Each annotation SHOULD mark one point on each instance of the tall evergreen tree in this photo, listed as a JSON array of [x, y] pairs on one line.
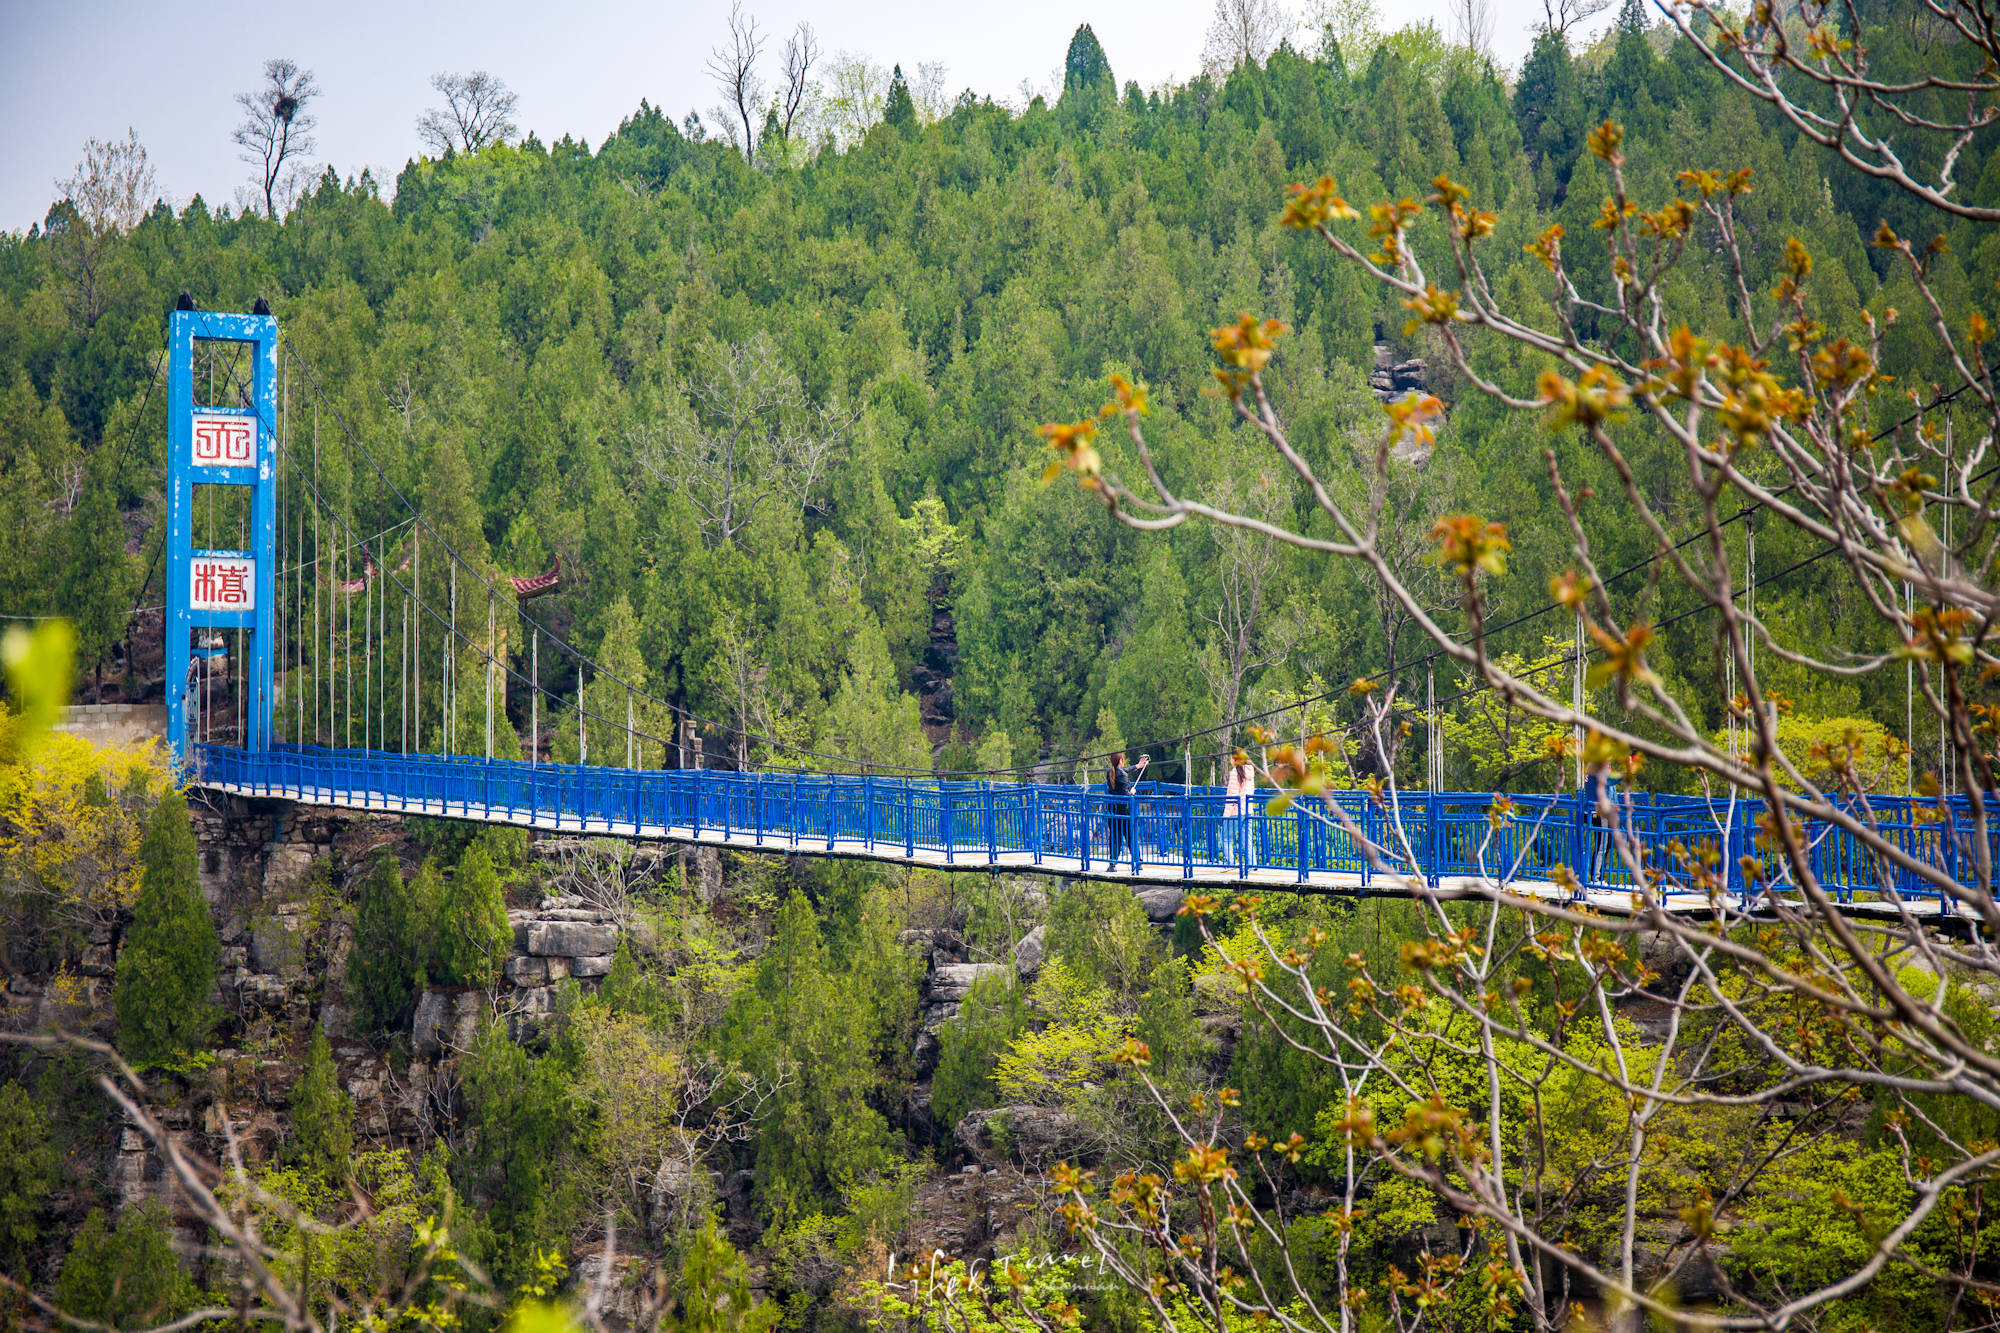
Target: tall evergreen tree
[[900, 111], [386, 971], [167, 968], [519, 1112], [28, 1166], [818, 1134], [124, 1275], [322, 1116], [1628, 76], [1548, 106], [1088, 85], [471, 935], [715, 1292], [96, 576]]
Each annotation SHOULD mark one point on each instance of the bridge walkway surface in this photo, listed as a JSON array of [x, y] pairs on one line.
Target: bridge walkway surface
[[1463, 843]]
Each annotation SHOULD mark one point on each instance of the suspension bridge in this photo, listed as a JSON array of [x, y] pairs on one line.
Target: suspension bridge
[[312, 604]]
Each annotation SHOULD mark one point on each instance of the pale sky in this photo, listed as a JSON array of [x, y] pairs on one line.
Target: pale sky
[[76, 69]]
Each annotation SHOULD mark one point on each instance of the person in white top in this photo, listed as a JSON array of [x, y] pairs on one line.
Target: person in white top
[[1237, 790]]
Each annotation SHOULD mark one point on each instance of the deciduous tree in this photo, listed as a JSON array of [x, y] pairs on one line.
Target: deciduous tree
[[103, 199], [743, 434], [478, 110], [733, 67], [276, 132], [1242, 32], [1766, 410]]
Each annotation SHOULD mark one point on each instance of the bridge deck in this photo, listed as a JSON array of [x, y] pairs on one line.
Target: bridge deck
[[1184, 838]]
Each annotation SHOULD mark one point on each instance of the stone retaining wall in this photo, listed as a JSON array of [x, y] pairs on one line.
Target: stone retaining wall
[[115, 724]]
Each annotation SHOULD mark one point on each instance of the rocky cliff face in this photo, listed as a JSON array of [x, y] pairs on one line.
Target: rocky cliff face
[[280, 882]]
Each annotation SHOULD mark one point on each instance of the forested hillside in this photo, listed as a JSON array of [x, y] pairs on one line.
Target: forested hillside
[[778, 417], [542, 341]]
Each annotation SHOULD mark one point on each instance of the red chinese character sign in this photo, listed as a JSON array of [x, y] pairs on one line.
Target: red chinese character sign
[[224, 441], [222, 583]]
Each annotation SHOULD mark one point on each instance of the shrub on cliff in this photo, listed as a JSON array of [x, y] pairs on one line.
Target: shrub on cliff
[[386, 972], [993, 1014], [322, 1116], [126, 1275], [28, 1166], [166, 970], [470, 935]]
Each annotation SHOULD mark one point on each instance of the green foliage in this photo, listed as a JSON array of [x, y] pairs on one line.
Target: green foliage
[[28, 1172], [1088, 85], [563, 314], [938, 545], [714, 1294], [470, 936], [332, 1254], [629, 988], [934, 291], [385, 973], [322, 1137], [1085, 65], [821, 1035], [1284, 1088], [899, 112], [636, 1090], [97, 575], [1820, 1213], [124, 1275], [1491, 746], [991, 1016], [1056, 1064], [73, 816], [868, 718], [167, 967], [40, 666], [1166, 1020], [1100, 931], [518, 1166]]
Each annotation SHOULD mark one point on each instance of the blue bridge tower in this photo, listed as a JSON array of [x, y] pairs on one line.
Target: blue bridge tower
[[208, 588]]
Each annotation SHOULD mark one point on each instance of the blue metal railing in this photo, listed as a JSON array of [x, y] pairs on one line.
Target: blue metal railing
[[1175, 832]]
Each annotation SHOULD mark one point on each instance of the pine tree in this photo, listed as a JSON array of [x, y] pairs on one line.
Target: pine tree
[[1628, 76], [612, 696], [471, 934], [322, 1116], [899, 112], [94, 591], [1088, 84], [386, 971], [1166, 1018], [28, 1166], [167, 968], [1548, 106], [125, 1276], [715, 1289], [1086, 66]]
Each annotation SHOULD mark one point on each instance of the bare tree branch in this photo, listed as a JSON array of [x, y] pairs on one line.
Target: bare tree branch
[[478, 110], [277, 126], [733, 66], [802, 52]]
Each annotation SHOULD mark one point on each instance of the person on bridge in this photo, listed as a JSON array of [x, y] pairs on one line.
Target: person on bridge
[[1599, 803], [1237, 790], [1118, 785]]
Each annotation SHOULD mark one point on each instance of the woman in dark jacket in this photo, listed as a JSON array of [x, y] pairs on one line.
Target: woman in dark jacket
[[1118, 783]]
